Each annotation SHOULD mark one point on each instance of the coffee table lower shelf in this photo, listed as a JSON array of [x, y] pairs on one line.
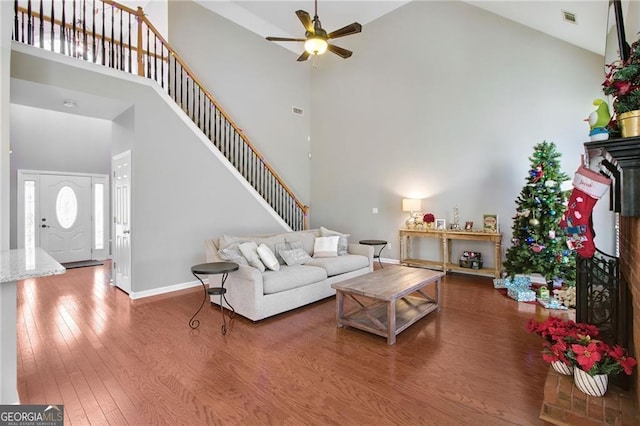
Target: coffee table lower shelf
[[374, 317]]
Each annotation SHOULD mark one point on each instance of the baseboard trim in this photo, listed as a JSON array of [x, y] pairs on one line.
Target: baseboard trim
[[392, 261], [164, 290]]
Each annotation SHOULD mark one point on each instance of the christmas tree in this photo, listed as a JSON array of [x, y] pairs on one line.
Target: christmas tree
[[539, 243]]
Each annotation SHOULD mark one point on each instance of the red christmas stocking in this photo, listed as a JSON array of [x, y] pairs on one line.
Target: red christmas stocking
[[588, 188]]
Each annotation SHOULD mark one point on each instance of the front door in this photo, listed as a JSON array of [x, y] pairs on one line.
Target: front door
[[65, 227], [122, 220]]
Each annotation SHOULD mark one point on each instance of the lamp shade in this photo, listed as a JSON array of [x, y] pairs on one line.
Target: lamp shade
[[411, 205]]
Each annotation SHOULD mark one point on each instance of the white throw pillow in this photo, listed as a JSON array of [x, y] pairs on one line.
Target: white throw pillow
[[250, 251], [343, 244], [326, 246], [268, 258]]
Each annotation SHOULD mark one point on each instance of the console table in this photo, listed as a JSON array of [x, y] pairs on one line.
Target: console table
[[445, 237]]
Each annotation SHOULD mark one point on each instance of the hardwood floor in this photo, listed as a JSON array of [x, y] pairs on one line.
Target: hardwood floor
[[111, 360]]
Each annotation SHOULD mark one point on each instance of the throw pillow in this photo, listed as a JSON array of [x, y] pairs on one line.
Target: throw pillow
[[232, 254], [326, 247], [290, 245], [343, 244], [268, 258], [250, 251], [295, 256]]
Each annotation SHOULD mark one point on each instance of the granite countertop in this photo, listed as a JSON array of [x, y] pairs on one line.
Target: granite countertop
[[20, 264]]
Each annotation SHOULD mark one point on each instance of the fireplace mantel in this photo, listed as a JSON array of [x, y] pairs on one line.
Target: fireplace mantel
[[623, 158]]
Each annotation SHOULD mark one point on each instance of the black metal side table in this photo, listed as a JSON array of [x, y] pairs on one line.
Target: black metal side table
[[213, 268], [376, 243]]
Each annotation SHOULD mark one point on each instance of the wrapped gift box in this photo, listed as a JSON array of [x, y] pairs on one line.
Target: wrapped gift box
[[521, 294], [515, 282]]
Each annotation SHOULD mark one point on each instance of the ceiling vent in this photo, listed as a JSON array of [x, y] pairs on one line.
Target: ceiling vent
[[297, 111], [569, 17]]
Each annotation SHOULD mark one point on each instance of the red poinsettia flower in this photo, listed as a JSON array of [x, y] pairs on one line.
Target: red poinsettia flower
[[587, 355], [555, 352], [428, 218], [626, 362]]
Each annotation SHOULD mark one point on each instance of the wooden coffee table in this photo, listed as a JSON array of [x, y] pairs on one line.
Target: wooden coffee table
[[388, 300]]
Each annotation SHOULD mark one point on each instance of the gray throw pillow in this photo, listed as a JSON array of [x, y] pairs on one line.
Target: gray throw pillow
[[232, 254], [293, 254], [250, 251], [294, 244]]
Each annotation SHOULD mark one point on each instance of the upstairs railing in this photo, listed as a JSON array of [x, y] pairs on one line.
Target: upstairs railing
[[110, 34]]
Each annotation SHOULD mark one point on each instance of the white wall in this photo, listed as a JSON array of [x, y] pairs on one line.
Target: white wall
[[256, 81], [6, 19], [443, 101], [55, 141], [182, 194]]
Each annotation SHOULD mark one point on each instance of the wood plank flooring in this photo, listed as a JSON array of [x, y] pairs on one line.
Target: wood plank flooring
[[111, 360]]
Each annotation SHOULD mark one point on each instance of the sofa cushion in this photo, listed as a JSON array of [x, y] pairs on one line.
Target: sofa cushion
[[341, 264], [308, 239], [270, 241], [326, 247], [250, 251], [343, 244], [289, 277], [268, 258]]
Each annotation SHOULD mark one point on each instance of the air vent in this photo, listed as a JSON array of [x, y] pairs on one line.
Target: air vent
[[297, 111], [569, 17]]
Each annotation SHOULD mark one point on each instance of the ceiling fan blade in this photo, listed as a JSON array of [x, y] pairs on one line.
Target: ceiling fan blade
[[284, 39], [303, 57], [343, 53], [305, 19], [345, 31]]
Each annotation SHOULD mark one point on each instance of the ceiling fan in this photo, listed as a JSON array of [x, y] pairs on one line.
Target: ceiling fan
[[316, 38]]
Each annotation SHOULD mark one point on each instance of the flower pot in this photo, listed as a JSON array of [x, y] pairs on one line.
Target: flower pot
[[591, 385], [629, 123], [562, 368]]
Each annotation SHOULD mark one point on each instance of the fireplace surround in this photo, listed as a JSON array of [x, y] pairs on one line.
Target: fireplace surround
[[621, 157]]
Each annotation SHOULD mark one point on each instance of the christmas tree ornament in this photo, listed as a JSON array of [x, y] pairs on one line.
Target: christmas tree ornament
[[537, 248], [534, 222], [529, 240], [552, 233], [588, 188]]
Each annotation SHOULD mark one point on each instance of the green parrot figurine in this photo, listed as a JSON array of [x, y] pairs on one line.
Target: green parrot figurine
[[598, 121]]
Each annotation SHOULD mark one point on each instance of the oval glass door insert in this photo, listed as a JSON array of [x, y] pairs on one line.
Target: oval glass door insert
[[66, 207]]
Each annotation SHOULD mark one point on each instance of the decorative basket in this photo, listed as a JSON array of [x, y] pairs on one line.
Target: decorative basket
[[471, 259]]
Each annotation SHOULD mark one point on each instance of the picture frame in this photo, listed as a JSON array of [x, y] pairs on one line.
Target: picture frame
[[468, 225], [441, 224], [490, 223]]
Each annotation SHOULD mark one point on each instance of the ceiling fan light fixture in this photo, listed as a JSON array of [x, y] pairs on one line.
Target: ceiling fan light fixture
[[315, 45]]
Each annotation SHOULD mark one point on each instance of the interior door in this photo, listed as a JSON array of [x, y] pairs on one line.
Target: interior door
[[122, 221], [65, 214]]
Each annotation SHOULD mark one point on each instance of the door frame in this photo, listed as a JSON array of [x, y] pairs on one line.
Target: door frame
[[34, 175]]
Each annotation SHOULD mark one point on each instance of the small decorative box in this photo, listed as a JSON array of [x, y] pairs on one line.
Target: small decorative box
[[471, 259]]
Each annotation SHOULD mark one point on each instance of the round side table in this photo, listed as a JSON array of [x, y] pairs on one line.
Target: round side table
[[213, 268], [376, 243]]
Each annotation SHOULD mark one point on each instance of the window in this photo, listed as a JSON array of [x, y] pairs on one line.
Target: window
[[66, 207], [98, 215], [29, 214]]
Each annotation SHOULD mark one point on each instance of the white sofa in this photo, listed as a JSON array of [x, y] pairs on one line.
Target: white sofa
[[257, 295]]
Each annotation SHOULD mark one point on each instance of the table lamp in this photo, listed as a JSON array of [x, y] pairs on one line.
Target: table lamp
[[411, 205]]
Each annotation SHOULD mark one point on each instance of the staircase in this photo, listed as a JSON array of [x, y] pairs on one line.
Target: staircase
[[115, 36]]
